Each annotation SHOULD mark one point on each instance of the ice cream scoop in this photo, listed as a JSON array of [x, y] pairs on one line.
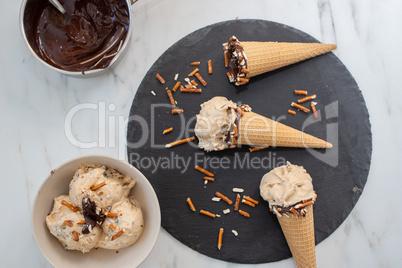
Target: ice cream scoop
[[125, 229], [101, 185], [67, 225], [223, 124]]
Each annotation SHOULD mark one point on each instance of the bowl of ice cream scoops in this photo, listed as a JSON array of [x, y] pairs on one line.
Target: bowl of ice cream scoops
[[90, 42], [97, 211]]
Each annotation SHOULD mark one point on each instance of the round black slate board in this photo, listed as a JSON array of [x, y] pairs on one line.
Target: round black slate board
[[339, 174]]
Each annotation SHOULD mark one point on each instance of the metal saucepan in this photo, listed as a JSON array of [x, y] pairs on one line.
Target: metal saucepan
[[27, 26]]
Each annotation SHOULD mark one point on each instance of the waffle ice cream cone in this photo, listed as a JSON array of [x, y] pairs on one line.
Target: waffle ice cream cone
[[249, 59], [263, 57], [255, 129], [299, 234]]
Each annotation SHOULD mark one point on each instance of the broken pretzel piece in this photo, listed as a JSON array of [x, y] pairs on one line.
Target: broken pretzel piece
[[65, 203], [237, 203], [179, 142], [199, 77], [190, 204], [300, 92], [314, 110], [172, 101], [68, 223], [245, 214], [209, 178], [168, 130], [160, 78], [250, 199], [176, 86], [302, 108], [224, 198], [76, 236], [210, 67], [220, 236], [202, 170], [190, 90], [207, 213], [193, 72], [97, 186], [254, 149], [312, 97], [248, 203], [177, 111], [118, 234]]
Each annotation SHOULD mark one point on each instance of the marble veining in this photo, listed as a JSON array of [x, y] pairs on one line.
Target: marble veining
[[35, 102]]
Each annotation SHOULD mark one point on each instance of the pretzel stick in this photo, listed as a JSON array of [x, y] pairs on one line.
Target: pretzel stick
[[171, 98], [68, 223], [193, 82], [199, 77], [168, 130], [248, 203], [97, 186], [76, 236], [177, 111], [248, 198], [302, 108], [119, 233], [111, 226], [314, 110], [291, 112], [202, 170], [224, 198], [237, 203], [229, 76], [160, 78], [193, 72], [195, 63], [300, 92], [254, 149], [190, 90], [207, 213], [243, 80], [220, 236], [110, 214], [179, 142], [81, 222], [176, 86], [210, 67], [245, 214], [209, 178], [304, 204], [312, 97], [235, 131], [225, 54], [190, 204], [245, 70], [65, 203], [239, 83], [293, 210]]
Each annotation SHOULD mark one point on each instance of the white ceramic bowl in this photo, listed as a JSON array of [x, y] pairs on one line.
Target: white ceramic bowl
[[57, 184]]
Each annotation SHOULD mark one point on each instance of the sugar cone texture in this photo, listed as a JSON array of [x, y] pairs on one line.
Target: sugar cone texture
[[255, 129], [299, 234], [263, 57]]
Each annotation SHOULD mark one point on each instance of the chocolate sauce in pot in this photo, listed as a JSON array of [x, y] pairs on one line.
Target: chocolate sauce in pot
[[88, 42]]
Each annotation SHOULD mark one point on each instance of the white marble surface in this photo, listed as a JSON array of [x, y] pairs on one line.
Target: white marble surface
[[34, 102]]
